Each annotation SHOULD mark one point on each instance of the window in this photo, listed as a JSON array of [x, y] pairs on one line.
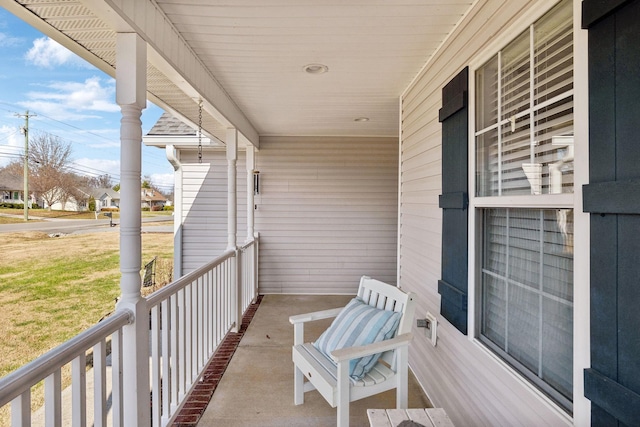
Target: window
[[524, 112], [527, 294], [524, 148]]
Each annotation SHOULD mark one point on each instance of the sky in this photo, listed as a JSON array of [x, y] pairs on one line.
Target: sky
[[71, 99]]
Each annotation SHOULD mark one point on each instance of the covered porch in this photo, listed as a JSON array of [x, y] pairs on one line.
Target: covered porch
[[257, 385], [340, 139]]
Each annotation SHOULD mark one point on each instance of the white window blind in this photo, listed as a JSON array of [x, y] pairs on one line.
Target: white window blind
[[525, 112], [527, 294]]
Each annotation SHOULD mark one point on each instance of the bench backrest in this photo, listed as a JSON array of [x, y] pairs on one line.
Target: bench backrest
[[384, 296]]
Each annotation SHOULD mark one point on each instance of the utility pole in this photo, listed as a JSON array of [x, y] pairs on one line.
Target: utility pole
[[25, 131]]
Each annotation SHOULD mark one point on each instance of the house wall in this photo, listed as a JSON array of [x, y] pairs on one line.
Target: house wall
[[459, 374], [326, 213], [204, 206]]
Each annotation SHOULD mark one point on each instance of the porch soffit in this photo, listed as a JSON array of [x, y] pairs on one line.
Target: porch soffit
[[253, 53]]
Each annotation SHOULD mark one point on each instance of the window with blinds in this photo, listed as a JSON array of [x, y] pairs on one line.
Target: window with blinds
[[527, 294], [524, 112], [524, 148]]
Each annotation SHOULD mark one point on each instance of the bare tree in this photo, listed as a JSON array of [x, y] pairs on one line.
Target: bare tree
[[73, 187], [101, 181], [48, 158]]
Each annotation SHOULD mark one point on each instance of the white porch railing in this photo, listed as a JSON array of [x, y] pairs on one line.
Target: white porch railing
[[188, 319]]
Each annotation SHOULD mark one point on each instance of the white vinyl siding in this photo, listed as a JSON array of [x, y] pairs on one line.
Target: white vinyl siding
[[326, 213], [458, 374], [204, 206]]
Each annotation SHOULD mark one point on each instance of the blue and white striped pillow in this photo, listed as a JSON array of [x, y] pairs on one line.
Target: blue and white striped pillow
[[358, 324]]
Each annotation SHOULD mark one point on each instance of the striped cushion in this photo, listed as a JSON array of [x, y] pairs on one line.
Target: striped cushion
[[358, 324]]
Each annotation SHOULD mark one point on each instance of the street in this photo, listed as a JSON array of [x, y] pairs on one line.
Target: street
[[74, 226]]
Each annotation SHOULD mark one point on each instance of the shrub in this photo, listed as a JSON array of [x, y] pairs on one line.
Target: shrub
[[168, 208]]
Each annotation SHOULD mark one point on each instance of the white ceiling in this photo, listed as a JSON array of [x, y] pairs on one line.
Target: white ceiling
[[256, 50]]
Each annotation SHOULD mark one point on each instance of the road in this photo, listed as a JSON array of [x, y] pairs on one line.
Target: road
[[75, 226]]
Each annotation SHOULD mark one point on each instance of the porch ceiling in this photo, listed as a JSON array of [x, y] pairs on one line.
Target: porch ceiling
[[256, 50]]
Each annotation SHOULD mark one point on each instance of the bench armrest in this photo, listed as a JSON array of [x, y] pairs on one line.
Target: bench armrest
[[316, 315], [369, 349]]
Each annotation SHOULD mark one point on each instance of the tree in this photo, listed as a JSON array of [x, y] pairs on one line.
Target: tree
[[73, 187], [101, 181], [49, 157]]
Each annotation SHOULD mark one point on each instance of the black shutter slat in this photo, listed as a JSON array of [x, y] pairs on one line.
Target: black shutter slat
[[595, 10], [454, 201], [621, 197], [612, 397]]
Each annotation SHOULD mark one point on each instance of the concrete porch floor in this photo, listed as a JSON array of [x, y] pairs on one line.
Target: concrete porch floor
[[257, 386]]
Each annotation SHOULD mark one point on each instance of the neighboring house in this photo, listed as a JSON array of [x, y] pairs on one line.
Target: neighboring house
[[105, 198], [481, 154], [152, 199], [12, 190], [69, 203]]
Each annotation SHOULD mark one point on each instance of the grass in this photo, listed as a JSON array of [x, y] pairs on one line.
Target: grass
[[53, 288]]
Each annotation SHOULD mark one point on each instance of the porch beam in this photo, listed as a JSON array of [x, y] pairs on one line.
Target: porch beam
[[173, 56], [131, 60]]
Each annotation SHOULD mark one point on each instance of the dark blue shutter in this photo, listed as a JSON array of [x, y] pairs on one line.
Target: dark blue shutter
[[454, 116], [612, 197]]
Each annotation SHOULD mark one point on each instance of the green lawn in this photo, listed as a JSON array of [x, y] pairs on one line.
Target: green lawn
[[53, 288]]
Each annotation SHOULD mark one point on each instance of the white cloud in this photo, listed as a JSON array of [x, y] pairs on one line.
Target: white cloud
[[74, 100], [163, 180], [47, 53], [9, 41]]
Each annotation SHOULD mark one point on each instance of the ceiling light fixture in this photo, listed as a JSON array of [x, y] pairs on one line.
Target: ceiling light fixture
[[361, 119], [315, 68]]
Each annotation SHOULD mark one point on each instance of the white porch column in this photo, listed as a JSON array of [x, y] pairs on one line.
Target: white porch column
[[232, 226], [131, 61], [232, 209], [251, 166]]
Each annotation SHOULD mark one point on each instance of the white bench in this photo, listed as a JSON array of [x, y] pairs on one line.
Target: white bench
[[429, 417], [331, 376]]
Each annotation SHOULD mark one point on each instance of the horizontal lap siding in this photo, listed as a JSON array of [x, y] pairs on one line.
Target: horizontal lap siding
[[326, 213], [204, 207], [457, 374]]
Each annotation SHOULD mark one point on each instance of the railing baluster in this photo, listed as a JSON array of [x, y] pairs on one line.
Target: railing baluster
[[79, 391], [219, 310], [188, 337], [165, 315], [100, 384], [182, 330], [21, 410], [174, 352], [116, 379], [156, 374], [53, 399], [194, 331], [201, 322], [210, 314]]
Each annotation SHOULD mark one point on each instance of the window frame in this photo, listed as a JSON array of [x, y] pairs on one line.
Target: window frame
[[479, 203]]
